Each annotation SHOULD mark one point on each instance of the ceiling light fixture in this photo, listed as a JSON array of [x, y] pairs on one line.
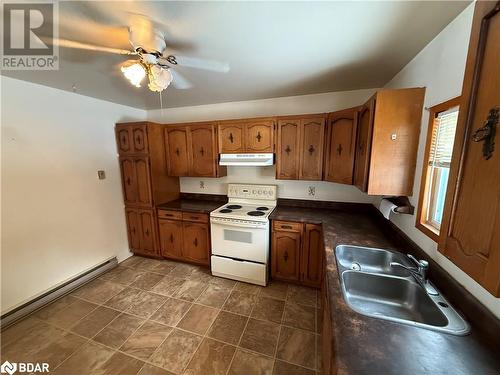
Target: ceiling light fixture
[[134, 72], [159, 78]]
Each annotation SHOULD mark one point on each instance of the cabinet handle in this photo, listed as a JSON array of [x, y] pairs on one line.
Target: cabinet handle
[[202, 151], [147, 232], [339, 149], [133, 230], [288, 149], [128, 180], [231, 137], [194, 217], [171, 238], [285, 256], [487, 133], [169, 214], [311, 149], [286, 227], [177, 151], [195, 242], [138, 139], [124, 139], [258, 137]]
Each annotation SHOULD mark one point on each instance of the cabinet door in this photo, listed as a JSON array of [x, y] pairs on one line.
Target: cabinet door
[[285, 255], [133, 229], [341, 146], [170, 232], [364, 140], [123, 139], [140, 138], [287, 150], [177, 151], [203, 155], [311, 258], [143, 182], [470, 230], [312, 140], [231, 138], [260, 136], [148, 238], [195, 246], [129, 180]]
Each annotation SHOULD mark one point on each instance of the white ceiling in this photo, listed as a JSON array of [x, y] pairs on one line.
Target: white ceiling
[[274, 49]]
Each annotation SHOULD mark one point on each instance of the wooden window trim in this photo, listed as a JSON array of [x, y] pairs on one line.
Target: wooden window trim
[[429, 230]]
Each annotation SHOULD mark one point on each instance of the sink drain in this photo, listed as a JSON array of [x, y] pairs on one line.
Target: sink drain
[[355, 267]]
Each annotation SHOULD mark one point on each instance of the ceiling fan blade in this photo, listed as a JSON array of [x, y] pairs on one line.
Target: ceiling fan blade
[[192, 62], [179, 81], [91, 47]]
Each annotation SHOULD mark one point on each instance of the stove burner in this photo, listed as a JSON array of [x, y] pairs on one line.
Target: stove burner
[[225, 211], [233, 206], [262, 208], [256, 213]]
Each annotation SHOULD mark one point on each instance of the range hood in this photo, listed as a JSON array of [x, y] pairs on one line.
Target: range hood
[[249, 160]]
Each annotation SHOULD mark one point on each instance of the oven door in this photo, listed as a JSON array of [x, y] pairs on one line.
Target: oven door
[[238, 240]]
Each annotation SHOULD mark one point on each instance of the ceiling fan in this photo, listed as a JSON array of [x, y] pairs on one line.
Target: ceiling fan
[[151, 60]]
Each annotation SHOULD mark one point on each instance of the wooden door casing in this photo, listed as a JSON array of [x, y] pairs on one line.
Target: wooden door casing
[[176, 149], [171, 238], [311, 258], [312, 138], [231, 138], [285, 258], [196, 242], [363, 148], [259, 136], [470, 229], [287, 150], [341, 146], [202, 151]]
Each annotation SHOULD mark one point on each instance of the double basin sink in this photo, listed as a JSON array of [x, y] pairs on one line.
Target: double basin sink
[[372, 287]]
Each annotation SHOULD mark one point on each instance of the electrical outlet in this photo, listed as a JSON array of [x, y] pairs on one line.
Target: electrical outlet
[[101, 175], [311, 191], [202, 184]]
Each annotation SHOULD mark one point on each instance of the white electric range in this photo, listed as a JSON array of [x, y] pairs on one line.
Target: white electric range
[[240, 233]]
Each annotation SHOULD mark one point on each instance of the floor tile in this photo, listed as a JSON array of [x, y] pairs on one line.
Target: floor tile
[[94, 322], [225, 283], [214, 296], [145, 304], [248, 288], [228, 327], [148, 369], [268, 309], [300, 316], [182, 270], [302, 295], [146, 340], [72, 314], [98, 291], [123, 275], [118, 331], [123, 300], [176, 351], [201, 274], [250, 364], [120, 364], [87, 360], [171, 312], [148, 264], [198, 319], [260, 336], [147, 280], [168, 286], [275, 289], [164, 267], [283, 368], [190, 290], [212, 357], [240, 303], [131, 262], [297, 346], [55, 307], [319, 352]]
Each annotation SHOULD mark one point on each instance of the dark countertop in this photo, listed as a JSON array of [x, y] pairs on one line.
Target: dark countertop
[[189, 204], [364, 345]]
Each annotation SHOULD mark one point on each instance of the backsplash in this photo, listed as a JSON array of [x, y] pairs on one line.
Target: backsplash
[[312, 190]]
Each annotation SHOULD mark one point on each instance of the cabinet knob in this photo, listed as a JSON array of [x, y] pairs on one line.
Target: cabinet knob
[[138, 139], [133, 230], [286, 227], [171, 238], [128, 180], [202, 151], [288, 149], [258, 137], [146, 232], [195, 242], [285, 256], [178, 152], [231, 137], [339, 149], [311, 149]]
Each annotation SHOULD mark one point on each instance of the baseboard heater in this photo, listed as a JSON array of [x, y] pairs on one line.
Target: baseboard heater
[[50, 296]]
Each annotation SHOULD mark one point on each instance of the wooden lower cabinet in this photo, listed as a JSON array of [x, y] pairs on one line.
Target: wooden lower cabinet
[[141, 225], [297, 253], [185, 239]]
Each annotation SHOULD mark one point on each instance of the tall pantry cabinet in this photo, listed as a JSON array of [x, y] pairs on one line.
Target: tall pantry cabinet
[[145, 182]]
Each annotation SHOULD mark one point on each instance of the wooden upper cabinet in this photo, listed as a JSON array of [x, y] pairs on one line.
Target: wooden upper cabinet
[[202, 151], [285, 259], [470, 229], [311, 262], [387, 142], [124, 139], [129, 180], [140, 138], [136, 180], [287, 149], [231, 138], [311, 143], [196, 245], [341, 146], [176, 148], [260, 136], [132, 138]]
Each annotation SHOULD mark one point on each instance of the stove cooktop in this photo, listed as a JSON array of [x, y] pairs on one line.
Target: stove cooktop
[[243, 211]]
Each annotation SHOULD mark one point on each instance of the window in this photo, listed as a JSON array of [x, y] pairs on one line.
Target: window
[[439, 148]]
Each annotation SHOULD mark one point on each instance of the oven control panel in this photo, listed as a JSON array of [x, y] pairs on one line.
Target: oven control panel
[[266, 192]]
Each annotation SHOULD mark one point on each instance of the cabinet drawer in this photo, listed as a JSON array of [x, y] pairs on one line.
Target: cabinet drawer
[[168, 214], [287, 226], [190, 216]]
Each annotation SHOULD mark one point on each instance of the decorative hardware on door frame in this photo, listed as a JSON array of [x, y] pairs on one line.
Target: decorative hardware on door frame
[[288, 149], [311, 149], [259, 137], [487, 133], [231, 139]]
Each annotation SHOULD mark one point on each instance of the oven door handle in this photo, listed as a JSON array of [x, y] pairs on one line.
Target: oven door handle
[[238, 225]]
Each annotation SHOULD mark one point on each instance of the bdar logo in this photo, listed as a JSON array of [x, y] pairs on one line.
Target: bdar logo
[[8, 368]]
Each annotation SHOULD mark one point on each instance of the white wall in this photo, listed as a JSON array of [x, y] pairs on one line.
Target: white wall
[[440, 67], [58, 219], [316, 103]]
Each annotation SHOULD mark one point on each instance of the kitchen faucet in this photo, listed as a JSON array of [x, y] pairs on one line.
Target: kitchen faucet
[[419, 273]]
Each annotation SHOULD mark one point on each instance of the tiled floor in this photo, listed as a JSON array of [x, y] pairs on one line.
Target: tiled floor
[[153, 317]]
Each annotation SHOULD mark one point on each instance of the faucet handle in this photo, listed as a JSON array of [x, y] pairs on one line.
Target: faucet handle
[[421, 263]]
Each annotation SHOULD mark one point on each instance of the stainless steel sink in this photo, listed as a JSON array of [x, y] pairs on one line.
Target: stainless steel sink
[[372, 287]]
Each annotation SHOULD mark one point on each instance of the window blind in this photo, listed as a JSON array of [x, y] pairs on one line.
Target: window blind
[[443, 136]]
